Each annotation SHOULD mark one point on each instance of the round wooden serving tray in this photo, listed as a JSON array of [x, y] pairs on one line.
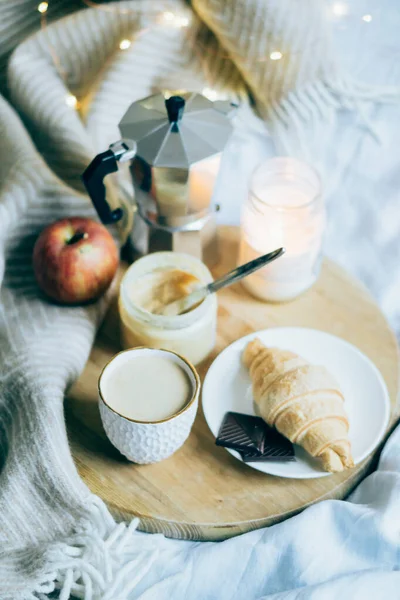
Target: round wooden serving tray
[[202, 492]]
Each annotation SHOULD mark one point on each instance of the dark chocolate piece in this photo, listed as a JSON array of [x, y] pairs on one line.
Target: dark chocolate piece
[[242, 432], [276, 448], [276, 456]]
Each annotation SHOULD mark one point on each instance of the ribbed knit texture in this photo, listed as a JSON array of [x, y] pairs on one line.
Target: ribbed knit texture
[[53, 532]]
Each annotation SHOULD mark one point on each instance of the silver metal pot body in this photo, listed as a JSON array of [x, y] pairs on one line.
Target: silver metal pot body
[[174, 146]]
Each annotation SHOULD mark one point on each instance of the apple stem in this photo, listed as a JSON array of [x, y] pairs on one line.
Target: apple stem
[[77, 237]]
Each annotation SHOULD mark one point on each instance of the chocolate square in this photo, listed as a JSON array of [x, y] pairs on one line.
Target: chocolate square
[[242, 432], [276, 448]]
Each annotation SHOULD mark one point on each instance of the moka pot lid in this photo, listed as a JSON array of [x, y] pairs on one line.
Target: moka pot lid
[[178, 131]]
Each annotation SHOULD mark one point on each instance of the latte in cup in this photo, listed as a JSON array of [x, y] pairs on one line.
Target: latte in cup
[[147, 388], [148, 400]]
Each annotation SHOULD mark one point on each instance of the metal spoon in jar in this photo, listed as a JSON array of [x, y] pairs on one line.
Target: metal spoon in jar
[[187, 302]]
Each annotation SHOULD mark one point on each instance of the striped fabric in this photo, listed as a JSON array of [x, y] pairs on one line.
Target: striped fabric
[[20, 18], [54, 534], [300, 36]]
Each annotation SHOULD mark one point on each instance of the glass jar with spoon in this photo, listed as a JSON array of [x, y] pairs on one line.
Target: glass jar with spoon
[[167, 300], [146, 284]]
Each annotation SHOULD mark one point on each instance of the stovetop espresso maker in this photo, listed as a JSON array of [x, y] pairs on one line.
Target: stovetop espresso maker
[[174, 146]]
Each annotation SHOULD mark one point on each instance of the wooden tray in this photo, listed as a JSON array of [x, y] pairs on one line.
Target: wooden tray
[[202, 492]]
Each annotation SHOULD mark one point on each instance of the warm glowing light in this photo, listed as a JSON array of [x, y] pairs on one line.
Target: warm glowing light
[[124, 44], [367, 18], [71, 101], [210, 94], [43, 6], [168, 16], [182, 21], [340, 9], [276, 55], [175, 20]]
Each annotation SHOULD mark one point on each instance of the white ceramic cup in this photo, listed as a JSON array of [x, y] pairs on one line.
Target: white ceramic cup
[[146, 442]]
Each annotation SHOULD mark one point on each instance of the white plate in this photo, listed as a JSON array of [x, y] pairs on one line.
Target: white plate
[[227, 387]]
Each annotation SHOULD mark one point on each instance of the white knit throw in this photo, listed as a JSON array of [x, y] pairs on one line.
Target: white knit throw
[[54, 534]]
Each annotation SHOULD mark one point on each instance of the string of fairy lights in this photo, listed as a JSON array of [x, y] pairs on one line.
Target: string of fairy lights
[[342, 9], [172, 19], [167, 18]]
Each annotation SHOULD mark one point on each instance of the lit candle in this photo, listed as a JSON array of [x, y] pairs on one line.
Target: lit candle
[[174, 198], [284, 208], [202, 180]]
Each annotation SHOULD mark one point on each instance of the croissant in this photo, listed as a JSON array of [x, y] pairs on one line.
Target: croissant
[[303, 401]]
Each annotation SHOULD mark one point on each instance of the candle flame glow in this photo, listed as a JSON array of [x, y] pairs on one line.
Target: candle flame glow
[[367, 18], [43, 6]]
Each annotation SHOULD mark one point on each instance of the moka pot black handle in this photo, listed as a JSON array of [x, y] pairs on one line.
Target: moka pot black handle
[[93, 178]]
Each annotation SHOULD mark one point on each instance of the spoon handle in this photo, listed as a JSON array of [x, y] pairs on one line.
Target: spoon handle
[[184, 304], [237, 274]]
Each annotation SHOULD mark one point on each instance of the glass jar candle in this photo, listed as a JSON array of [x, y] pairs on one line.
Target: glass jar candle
[[192, 334], [284, 208]]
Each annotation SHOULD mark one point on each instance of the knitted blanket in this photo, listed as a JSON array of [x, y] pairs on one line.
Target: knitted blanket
[[67, 87]]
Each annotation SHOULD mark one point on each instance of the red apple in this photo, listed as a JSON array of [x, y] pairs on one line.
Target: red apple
[[75, 260]]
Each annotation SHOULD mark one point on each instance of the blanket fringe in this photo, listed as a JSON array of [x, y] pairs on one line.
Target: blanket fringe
[[99, 561]]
